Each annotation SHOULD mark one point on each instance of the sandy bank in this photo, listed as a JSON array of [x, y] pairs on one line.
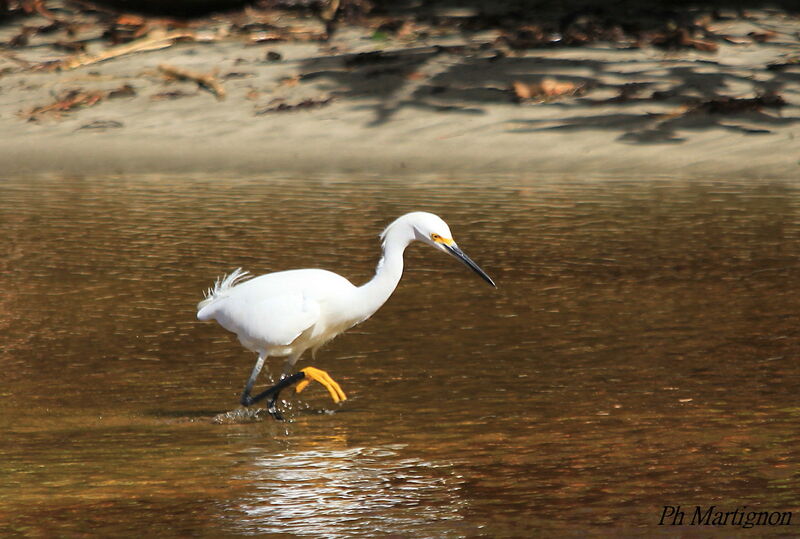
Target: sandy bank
[[642, 112]]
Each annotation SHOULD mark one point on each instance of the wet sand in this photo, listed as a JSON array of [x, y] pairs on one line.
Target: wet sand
[[415, 108]]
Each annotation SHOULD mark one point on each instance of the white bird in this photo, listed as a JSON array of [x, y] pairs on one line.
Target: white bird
[[283, 314]]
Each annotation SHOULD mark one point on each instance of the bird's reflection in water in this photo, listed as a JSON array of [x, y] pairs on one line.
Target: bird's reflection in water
[[348, 492]]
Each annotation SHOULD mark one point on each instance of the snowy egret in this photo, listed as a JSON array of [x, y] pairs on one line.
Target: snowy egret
[[283, 314]]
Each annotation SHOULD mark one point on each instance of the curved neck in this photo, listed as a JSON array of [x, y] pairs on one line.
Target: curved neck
[[387, 274]]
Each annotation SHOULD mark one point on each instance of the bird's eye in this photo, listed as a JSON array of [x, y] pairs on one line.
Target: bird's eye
[[436, 237]]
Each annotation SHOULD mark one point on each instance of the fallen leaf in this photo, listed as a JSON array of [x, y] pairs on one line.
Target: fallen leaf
[[70, 46], [553, 88], [289, 81], [206, 80], [329, 9], [126, 90], [546, 89], [102, 125], [21, 39], [175, 94], [761, 37], [522, 90], [681, 38], [528, 37], [405, 30], [71, 99], [305, 104], [130, 20], [237, 75]]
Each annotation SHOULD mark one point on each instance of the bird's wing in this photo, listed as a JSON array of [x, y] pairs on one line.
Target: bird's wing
[[277, 320]]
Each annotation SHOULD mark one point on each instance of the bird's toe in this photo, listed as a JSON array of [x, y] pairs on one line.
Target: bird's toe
[[312, 373]]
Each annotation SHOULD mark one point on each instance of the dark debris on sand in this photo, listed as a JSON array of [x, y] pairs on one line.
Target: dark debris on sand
[[496, 41], [70, 25]]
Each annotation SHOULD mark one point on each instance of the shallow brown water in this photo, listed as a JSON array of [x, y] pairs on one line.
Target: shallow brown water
[[641, 350]]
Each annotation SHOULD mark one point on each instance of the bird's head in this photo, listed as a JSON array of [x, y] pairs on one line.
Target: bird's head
[[431, 229]]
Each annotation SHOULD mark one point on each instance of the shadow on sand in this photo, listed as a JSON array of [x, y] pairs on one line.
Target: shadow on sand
[[642, 101]]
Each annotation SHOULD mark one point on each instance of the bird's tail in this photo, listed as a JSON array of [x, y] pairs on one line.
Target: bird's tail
[[221, 287]]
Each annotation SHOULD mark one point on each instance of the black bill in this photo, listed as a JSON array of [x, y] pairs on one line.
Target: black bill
[[458, 253]]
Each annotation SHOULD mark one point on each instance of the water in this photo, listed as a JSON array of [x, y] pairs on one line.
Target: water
[[640, 351]]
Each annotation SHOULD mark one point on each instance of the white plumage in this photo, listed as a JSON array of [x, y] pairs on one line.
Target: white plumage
[[285, 313], [270, 312]]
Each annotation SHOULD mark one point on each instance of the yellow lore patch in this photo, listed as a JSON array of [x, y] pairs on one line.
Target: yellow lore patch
[[439, 239]]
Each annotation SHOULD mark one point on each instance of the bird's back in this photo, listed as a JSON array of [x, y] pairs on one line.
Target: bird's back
[[272, 309]]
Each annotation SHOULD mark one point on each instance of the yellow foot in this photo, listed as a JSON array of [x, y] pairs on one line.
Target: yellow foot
[[322, 377]]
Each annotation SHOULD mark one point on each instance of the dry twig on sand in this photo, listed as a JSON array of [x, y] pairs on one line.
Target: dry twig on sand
[[74, 99], [70, 100], [151, 42], [206, 80]]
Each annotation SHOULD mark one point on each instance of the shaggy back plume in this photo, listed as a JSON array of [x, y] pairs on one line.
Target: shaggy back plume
[[222, 286]]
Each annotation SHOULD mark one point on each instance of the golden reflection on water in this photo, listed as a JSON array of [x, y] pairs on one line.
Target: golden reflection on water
[[346, 492], [641, 350]]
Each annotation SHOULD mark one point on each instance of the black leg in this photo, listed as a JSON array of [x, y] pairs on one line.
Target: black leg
[[273, 392]]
